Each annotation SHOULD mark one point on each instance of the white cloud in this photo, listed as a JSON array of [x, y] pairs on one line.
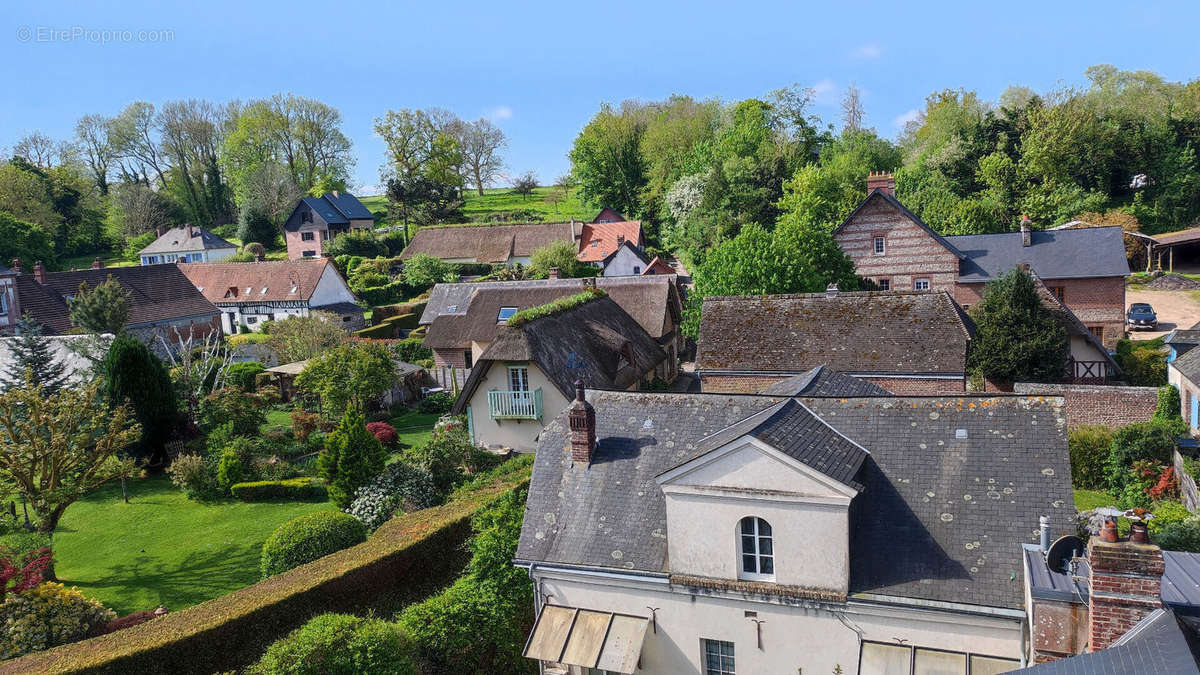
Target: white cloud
[[500, 112], [902, 121], [867, 52], [825, 92]]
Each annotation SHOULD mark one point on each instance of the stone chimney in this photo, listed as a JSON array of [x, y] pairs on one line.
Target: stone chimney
[[16, 265], [883, 181], [39, 272], [1126, 583], [555, 273], [188, 230], [581, 417], [1026, 233], [831, 291], [97, 263]]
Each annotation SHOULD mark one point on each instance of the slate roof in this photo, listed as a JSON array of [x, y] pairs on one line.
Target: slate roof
[[1183, 336], [327, 210], [1180, 589], [488, 243], [605, 237], [280, 279], [823, 381], [1188, 365], [652, 301], [1160, 643], [176, 240], [1054, 254], [873, 332], [156, 293], [941, 517], [633, 249], [348, 205], [581, 343]]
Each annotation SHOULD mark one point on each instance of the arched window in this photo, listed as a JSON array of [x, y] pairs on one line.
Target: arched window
[[756, 549]]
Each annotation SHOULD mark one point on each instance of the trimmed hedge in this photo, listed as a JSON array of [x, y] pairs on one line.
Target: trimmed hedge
[[309, 537], [294, 489], [423, 548], [388, 328], [339, 643]]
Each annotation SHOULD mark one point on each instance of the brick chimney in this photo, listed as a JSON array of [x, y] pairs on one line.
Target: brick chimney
[[581, 417], [97, 263], [39, 272], [1026, 233], [883, 181], [1125, 581], [16, 265], [160, 231], [188, 230], [555, 273], [620, 240]]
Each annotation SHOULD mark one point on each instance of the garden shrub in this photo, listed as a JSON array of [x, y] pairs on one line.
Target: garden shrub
[[383, 432], [1144, 362], [46, 616], [127, 621], [230, 404], [423, 271], [351, 458], [1089, 447], [1183, 535], [303, 488], [1153, 440], [412, 350], [401, 487], [273, 468], [231, 468], [311, 536], [23, 568], [132, 372], [242, 375], [1168, 403], [304, 423], [338, 643], [218, 438], [355, 243], [25, 540], [436, 404], [196, 476], [1166, 513]]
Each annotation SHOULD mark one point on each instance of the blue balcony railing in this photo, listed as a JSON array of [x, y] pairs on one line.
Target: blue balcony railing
[[515, 405]]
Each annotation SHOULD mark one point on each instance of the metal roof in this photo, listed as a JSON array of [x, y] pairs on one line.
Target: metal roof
[[1180, 582]]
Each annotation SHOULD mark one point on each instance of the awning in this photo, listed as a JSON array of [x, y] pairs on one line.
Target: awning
[[587, 637]]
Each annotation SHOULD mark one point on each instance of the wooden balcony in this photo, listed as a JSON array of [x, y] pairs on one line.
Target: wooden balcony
[[515, 405]]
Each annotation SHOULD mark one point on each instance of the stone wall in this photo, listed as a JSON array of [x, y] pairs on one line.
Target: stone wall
[[909, 251], [1098, 404]]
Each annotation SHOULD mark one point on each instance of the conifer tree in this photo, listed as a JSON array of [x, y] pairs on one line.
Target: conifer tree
[[33, 357], [352, 458]]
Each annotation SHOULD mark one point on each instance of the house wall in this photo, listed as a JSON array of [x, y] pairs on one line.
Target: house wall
[[330, 289], [193, 327], [1188, 391], [292, 228], [796, 638], [909, 252], [624, 264], [1098, 404], [1097, 301], [520, 435], [450, 357], [209, 255]]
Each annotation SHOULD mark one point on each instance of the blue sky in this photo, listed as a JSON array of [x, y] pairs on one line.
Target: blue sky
[[540, 70]]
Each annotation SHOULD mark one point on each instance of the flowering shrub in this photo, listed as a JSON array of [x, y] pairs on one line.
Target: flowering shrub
[[195, 475], [47, 616], [384, 432], [402, 487], [1167, 486], [23, 570]]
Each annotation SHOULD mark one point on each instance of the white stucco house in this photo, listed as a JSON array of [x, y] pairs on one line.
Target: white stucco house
[[252, 293], [186, 243], [734, 534]]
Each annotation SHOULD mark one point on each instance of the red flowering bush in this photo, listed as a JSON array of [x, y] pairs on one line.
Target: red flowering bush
[[304, 423], [384, 433], [1167, 485], [23, 570]]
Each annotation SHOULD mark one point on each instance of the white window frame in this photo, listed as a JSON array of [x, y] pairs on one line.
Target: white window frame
[[500, 318], [308, 236], [518, 378], [917, 284], [721, 667], [885, 284], [756, 575], [879, 244]]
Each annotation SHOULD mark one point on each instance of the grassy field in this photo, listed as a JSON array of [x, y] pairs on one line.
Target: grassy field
[[414, 428], [504, 200], [162, 548], [1091, 499]]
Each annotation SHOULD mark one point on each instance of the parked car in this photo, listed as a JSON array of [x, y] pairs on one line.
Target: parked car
[[1141, 316]]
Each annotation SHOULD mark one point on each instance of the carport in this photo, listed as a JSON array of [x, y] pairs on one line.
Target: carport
[[1164, 245]]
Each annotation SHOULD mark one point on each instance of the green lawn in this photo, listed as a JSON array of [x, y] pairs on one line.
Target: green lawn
[[83, 262], [414, 428], [1086, 500], [279, 418], [504, 200], [162, 548]]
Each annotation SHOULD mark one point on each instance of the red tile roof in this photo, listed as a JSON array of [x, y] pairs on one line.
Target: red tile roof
[[604, 236], [266, 281], [658, 266]]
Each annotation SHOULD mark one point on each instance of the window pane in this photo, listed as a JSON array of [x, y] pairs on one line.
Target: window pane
[[764, 528], [748, 564], [883, 659], [929, 662], [718, 657], [747, 526], [748, 544], [990, 665], [766, 565], [764, 546]]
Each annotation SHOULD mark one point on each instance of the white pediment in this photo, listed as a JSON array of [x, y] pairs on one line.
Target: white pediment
[[748, 465]]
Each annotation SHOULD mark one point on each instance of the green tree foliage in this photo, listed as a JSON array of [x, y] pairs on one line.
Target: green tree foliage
[[357, 242], [525, 184], [134, 375], [1018, 339], [348, 376], [54, 470], [352, 457], [1089, 447], [423, 271], [231, 407], [560, 254], [1144, 362], [256, 225], [299, 338], [103, 309], [607, 162], [1152, 441], [824, 193], [338, 643], [24, 240], [33, 357], [1169, 406], [479, 624], [242, 375]]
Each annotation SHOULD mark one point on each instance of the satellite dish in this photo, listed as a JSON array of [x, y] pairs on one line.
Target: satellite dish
[[1061, 552]]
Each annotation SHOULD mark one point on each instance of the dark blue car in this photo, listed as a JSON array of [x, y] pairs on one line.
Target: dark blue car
[[1141, 317]]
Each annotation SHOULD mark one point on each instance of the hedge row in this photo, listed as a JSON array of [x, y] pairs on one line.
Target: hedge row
[[297, 489], [384, 312], [407, 559]]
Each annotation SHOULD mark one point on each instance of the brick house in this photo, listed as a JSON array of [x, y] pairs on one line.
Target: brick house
[[317, 220], [908, 342], [889, 244]]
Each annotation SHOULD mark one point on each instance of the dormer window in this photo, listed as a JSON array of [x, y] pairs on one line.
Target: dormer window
[[756, 549], [306, 216]]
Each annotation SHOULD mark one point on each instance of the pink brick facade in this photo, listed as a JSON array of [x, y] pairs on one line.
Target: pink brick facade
[[1094, 404], [450, 357], [298, 247], [1099, 302], [909, 252]]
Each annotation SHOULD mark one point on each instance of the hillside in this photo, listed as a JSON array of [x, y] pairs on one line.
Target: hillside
[[498, 201]]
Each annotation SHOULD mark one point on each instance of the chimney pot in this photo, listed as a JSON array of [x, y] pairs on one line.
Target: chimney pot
[[16, 265], [39, 272], [581, 418], [883, 181], [1044, 528], [555, 273], [1138, 533], [160, 231], [97, 263]]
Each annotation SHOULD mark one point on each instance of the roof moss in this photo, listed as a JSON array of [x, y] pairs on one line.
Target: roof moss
[[560, 305]]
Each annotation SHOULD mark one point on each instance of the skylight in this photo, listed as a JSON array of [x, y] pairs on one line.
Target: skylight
[[505, 313]]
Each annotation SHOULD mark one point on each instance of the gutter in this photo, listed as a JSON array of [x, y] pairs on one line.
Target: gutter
[[858, 374], [937, 605], [590, 571]]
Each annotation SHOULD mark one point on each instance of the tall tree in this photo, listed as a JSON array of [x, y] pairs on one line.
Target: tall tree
[[352, 457], [33, 359], [135, 141], [103, 309], [40, 150], [192, 133], [606, 159], [134, 375], [94, 141], [852, 109], [57, 448], [136, 209], [481, 144], [1018, 338]]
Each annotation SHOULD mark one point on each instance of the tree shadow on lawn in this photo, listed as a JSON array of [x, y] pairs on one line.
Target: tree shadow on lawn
[[200, 576]]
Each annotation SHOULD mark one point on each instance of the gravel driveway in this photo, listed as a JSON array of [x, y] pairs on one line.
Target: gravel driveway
[[1175, 309]]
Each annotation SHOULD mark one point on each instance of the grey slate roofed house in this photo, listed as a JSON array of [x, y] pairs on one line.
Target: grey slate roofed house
[[1162, 643], [823, 381], [186, 243], [1053, 254], [316, 220], [906, 342]]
